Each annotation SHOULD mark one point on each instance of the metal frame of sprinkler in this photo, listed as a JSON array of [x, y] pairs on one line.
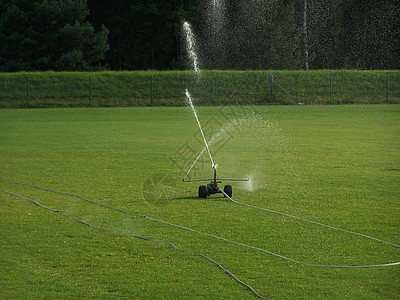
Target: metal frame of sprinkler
[[213, 188]]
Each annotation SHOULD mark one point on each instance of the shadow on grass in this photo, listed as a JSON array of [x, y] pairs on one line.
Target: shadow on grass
[[212, 198]]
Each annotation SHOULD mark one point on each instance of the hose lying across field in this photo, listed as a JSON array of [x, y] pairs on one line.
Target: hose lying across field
[[309, 221], [206, 234], [125, 234]]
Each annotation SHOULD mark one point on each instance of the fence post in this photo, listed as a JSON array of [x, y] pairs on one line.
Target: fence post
[[90, 90], [151, 90], [27, 92], [271, 80], [387, 88], [212, 88]]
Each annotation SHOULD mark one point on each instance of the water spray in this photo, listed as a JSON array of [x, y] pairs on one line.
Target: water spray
[[190, 45], [212, 140], [211, 188], [198, 123]]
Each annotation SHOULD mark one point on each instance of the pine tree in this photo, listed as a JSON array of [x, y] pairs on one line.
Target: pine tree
[[49, 35]]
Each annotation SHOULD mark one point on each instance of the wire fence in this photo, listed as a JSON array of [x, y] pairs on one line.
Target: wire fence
[[52, 89]]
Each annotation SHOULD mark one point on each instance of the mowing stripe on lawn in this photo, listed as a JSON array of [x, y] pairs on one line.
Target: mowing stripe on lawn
[[135, 236], [221, 238], [309, 221]]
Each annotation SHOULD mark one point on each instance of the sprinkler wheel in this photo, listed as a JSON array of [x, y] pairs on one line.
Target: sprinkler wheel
[[228, 190], [203, 192], [212, 188]]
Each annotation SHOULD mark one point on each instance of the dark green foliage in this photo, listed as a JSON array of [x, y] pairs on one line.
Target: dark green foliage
[[144, 34], [49, 35], [258, 36], [241, 35], [354, 34], [371, 32], [251, 34]]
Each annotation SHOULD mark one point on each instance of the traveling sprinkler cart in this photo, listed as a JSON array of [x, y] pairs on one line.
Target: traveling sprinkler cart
[[212, 188]]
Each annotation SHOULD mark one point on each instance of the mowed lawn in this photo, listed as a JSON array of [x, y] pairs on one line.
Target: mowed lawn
[[336, 165]]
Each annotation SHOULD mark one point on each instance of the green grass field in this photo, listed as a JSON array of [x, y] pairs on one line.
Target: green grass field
[[337, 165]]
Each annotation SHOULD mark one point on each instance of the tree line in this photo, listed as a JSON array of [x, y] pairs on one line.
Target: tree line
[[89, 35]]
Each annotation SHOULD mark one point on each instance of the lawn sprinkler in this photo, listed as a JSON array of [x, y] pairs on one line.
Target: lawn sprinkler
[[212, 188]]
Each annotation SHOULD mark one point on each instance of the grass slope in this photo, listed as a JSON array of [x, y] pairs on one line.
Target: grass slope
[[338, 165], [166, 88]]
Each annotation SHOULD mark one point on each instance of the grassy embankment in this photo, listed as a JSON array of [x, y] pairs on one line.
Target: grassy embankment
[[153, 88]]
